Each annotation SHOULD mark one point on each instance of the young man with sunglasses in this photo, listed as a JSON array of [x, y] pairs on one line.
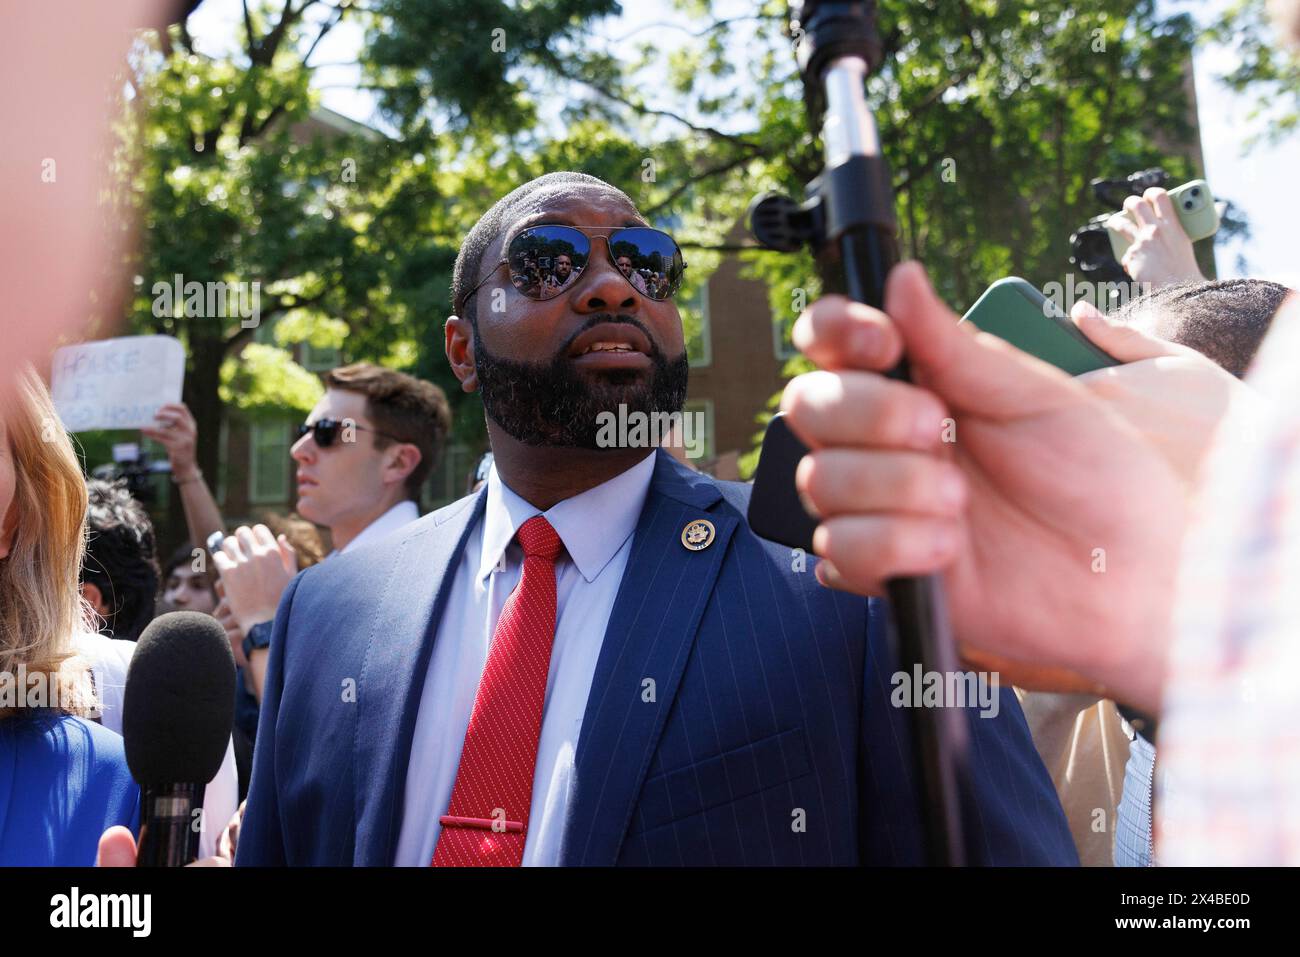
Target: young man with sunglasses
[[363, 455], [593, 660], [366, 450]]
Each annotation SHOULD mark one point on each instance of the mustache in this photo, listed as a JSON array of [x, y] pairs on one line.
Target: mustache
[[602, 318]]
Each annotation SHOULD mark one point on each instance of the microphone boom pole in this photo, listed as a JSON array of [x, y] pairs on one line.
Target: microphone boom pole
[[848, 221]]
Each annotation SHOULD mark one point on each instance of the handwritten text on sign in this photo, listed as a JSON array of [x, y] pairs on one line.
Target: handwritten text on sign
[[116, 383]]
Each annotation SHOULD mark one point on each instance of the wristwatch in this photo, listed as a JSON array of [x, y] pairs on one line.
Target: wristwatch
[[259, 636]]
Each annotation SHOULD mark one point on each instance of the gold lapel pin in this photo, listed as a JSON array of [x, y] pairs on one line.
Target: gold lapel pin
[[698, 535]]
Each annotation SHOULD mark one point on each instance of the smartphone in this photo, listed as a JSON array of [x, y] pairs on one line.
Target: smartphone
[[1011, 309], [775, 512], [1015, 311], [1197, 212]]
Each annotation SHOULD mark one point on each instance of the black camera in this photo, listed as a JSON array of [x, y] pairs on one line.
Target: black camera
[[1090, 249], [133, 467]]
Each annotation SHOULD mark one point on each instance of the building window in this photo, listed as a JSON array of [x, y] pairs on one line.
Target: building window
[[449, 479], [698, 429], [268, 462], [782, 343], [265, 332], [695, 326], [320, 360]]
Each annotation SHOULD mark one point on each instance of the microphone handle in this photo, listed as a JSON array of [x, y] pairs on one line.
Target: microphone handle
[[169, 828]]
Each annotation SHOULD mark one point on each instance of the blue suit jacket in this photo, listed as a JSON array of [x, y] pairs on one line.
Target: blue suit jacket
[[770, 740], [63, 782]]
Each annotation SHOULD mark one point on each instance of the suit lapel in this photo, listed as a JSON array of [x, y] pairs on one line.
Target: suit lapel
[[419, 580], [651, 630]]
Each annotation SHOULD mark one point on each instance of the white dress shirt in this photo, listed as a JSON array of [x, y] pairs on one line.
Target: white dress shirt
[[403, 513], [596, 528]]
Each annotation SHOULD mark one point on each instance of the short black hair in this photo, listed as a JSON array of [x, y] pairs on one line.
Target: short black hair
[[1225, 320], [491, 224], [184, 555], [121, 557]]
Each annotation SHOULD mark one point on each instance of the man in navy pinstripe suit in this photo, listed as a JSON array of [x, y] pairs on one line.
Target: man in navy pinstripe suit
[[677, 690]]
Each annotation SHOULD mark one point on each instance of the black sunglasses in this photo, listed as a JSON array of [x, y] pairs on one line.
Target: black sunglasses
[[325, 431], [547, 260]]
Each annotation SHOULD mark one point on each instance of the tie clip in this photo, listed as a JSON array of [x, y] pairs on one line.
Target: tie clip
[[483, 823]]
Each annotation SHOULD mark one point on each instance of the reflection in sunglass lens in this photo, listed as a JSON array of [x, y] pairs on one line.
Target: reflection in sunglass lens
[[649, 259], [546, 260]]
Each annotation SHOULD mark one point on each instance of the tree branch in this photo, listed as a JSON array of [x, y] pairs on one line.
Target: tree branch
[[248, 29], [329, 25], [266, 48], [718, 170], [726, 247], [560, 70], [716, 25]]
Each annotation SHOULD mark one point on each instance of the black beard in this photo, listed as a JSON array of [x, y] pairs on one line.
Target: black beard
[[551, 404]]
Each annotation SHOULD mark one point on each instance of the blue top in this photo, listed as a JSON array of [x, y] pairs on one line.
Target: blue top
[[63, 782]]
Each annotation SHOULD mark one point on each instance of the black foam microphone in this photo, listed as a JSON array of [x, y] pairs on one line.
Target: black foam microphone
[[177, 712]]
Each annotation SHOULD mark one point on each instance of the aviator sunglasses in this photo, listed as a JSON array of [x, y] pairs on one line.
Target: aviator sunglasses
[[325, 431], [547, 260]]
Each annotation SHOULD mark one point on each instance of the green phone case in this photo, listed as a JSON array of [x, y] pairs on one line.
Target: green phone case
[[1197, 213], [1013, 310]]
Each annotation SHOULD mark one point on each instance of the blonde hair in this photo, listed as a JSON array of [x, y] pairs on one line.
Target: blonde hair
[[41, 608]]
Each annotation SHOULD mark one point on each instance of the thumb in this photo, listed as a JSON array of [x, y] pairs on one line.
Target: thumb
[[116, 848], [977, 373], [1123, 342]]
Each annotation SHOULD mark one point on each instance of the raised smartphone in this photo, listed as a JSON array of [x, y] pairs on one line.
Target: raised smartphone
[[1014, 310], [1196, 210]]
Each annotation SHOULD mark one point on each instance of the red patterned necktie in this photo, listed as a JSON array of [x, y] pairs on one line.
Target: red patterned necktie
[[486, 823]]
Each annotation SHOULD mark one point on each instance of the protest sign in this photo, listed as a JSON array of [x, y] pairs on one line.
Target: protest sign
[[116, 383]]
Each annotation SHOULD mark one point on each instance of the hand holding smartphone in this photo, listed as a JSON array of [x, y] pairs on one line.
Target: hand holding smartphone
[[1011, 309], [1197, 213]]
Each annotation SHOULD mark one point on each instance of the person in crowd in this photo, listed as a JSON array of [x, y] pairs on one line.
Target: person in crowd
[[1225, 320], [189, 581], [119, 581], [1100, 762], [594, 660], [119, 577], [624, 264], [1199, 643], [177, 432], [1160, 252], [365, 452], [63, 778], [301, 534], [529, 276], [562, 274]]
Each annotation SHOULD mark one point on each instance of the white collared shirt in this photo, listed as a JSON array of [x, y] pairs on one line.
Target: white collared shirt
[[596, 528], [401, 514]]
